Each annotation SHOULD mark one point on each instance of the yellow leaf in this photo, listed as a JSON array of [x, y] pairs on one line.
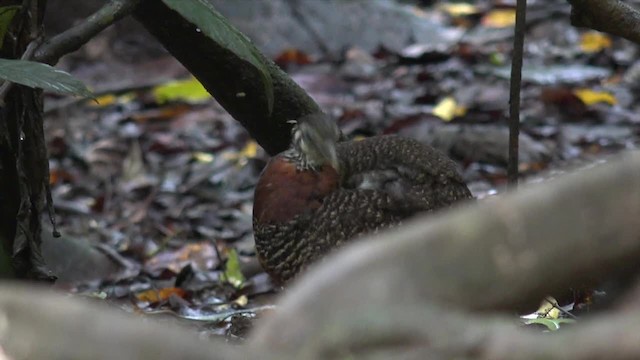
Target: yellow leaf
[[447, 109], [203, 157], [106, 100], [499, 18], [590, 97], [459, 9], [190, 91], [250, 150], [110, 99], [460, 111], [593, 41], [549, 309], [243, 300]]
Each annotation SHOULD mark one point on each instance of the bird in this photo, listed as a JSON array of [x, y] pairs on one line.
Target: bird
[[323, 191]]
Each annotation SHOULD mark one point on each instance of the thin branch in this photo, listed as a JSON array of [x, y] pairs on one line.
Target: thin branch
[[514, 96], [610, 16], [72, 39]]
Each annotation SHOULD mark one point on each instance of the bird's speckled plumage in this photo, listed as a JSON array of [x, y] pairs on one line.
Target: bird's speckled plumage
[[302, 213]]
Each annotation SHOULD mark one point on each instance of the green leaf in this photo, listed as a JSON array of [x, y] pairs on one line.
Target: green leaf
[[215, 26], [38, 75], [190, 91], [551, 324], [6, 15], [232, 273]]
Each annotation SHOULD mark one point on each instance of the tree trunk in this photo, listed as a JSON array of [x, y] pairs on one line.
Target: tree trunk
[[24, 167]]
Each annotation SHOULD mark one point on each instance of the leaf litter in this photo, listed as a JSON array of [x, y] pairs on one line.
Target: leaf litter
[[166, 184]]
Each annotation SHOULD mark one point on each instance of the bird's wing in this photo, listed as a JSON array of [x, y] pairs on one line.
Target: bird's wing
[[404, 168]]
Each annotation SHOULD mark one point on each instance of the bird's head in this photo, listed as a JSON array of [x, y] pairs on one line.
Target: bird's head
[[314, 140]]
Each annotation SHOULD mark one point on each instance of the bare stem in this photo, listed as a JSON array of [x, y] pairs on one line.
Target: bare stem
[[72, 39], [514, 96]]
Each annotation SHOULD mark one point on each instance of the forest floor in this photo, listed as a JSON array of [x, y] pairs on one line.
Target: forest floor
[[158, 179]]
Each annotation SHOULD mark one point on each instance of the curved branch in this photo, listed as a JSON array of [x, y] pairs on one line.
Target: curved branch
[[225, 76], [72, 39], [610, 16]]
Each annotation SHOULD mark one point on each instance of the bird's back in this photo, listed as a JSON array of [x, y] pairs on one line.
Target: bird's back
[[383, 180], [403, 168]]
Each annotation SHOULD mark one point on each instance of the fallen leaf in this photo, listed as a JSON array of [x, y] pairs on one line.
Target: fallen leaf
[[593, 41], [590, 97], [155, 296], [448, 108], [459, 9], [499, 18], [201, 255], [232, 273], [548, 309], [57, 176], [551, 324], [292, 56], [190, 91], [203, 157], [249, 151], [242, 300]]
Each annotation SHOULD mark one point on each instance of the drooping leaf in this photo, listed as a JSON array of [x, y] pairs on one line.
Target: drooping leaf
[[38, 75], [215, 26], [6, 15]]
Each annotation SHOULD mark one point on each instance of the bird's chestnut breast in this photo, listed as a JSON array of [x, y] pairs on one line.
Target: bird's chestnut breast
[[284, 191]]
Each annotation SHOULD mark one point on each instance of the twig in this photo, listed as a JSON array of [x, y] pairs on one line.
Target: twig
[[514, 96], [72, 39]]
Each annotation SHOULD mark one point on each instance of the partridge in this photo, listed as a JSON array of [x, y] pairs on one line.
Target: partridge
[[321, 192]]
